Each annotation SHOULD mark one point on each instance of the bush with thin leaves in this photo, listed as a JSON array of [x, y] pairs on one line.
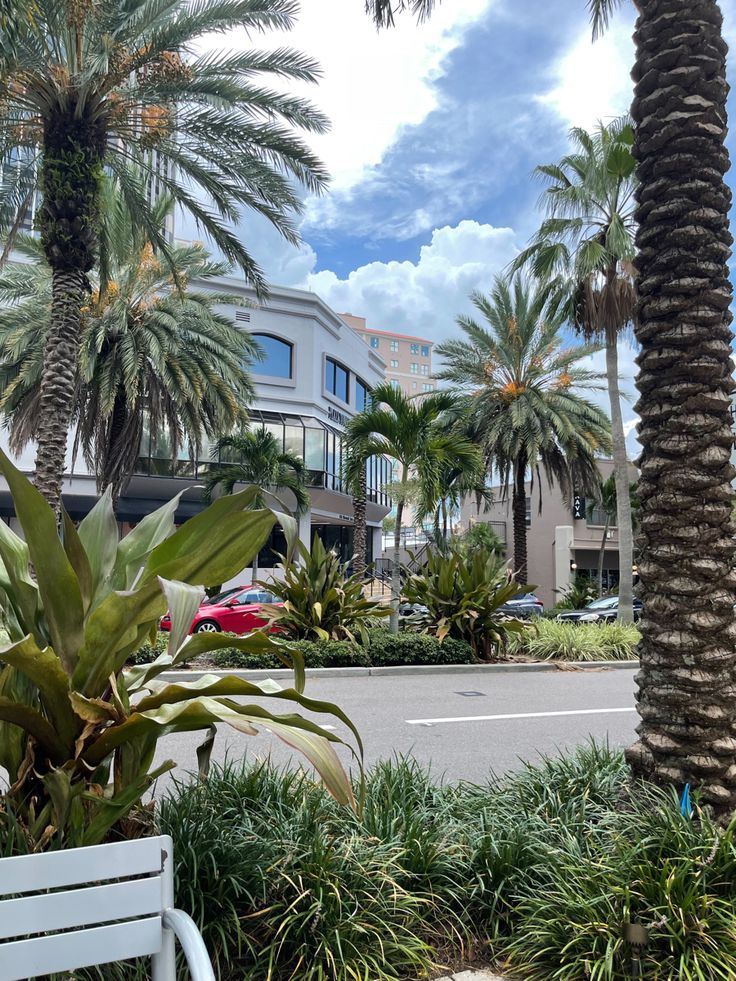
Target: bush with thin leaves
[[557, 640]]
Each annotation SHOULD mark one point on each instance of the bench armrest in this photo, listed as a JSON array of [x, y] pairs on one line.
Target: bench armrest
[[190, 939]]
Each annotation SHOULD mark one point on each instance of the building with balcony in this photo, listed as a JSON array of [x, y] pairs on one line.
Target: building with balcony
[[561, 540], [408, 359], [316, 373]]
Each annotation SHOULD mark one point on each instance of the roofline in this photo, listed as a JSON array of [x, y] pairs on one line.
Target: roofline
[[391, 333]]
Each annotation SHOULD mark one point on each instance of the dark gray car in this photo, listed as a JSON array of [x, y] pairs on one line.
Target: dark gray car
[[603, 610]]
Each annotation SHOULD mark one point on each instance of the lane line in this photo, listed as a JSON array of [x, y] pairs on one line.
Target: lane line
[[516, 715]]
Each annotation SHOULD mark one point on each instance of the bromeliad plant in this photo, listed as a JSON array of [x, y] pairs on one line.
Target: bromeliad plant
[[321, 601], [463, 596], [78, 731]]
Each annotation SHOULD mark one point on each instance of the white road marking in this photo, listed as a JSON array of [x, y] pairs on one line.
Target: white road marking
[[516, 715]]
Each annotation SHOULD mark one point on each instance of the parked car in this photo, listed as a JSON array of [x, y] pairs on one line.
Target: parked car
[[411, 609], [236, 612], [523, 607], [603, 610]]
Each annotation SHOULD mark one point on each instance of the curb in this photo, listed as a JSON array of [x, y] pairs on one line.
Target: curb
[[405, 670]]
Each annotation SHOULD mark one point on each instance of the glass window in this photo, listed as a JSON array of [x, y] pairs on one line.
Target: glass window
[[395, 383], [413, 384], [294, 440], [394, 345], [425, 350], [427, 388], [278, 357], [394, 363], [361, 394], [415, 349], [314, 457], [374, 343], [425, 369], [336, 379], [414, 368]]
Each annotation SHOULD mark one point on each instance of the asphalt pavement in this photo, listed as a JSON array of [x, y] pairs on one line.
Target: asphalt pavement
[[464, 725]]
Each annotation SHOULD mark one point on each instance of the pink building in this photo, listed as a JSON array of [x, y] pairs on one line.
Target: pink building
[[408, 359]]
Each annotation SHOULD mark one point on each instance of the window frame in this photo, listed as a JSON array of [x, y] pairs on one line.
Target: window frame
[[289, 379], [330, 392]]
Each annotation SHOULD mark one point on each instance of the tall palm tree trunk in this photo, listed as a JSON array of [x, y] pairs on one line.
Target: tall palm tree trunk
[[518, 506], [687, 689], [602, 553], [396, 568], [58, 381], [359, 527], [621, 479]]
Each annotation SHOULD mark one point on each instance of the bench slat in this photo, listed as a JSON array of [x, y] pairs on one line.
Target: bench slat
[[80, 907], [68, 951], [76, 866]]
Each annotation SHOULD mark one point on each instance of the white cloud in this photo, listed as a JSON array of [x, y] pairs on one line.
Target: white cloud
[[422, 297], [373, 83], [592, 82]]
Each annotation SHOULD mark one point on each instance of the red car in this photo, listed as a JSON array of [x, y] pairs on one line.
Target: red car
[[236, 611]]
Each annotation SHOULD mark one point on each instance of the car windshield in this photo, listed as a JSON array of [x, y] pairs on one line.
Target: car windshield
[[220, 597], [607, 603]]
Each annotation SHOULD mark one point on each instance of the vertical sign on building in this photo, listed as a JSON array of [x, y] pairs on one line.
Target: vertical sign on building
[[578, 507]]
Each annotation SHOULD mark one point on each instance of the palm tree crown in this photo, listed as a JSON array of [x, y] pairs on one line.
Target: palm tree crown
[[151, 355], [522, 391], [256, 457], [415, 433], [124, 86]]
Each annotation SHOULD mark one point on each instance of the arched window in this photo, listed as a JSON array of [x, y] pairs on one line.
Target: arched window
[[278, 357]]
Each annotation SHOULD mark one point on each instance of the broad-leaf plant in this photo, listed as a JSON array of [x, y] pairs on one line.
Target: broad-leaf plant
[[79, 729]]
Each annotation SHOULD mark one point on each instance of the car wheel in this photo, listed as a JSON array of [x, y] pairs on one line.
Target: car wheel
[[207, 627]]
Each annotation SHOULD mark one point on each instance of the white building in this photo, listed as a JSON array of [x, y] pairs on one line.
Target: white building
[[315, 376]]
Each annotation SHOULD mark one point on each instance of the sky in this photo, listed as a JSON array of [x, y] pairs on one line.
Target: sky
[[435, 131]]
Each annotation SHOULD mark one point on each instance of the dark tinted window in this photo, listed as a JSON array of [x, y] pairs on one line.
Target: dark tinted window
[[336, 379], [361, 395], [278, 357]]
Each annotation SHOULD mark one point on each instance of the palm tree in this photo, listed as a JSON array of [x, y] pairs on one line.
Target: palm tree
[[152, 357], [586, 245], [687, 699], [256, 457], [87, 88], [456, 484], [412, 432], [523, 397], [355, 479]]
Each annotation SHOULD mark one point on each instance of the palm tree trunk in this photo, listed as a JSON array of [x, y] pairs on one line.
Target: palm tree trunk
[[602, 554], [58, 381], [623, 498], [687, 694], [519, 520], [359, 527], [396, 568]]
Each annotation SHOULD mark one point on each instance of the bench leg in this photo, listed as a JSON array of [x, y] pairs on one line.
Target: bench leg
[[163, 964]]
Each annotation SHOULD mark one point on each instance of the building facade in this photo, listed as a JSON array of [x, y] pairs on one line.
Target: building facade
[[408, 359], [315, 375], [561, 540]]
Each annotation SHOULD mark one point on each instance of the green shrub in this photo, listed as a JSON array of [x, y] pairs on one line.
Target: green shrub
[[463, 595], [320, 601], [544, 865], [381, 649], [148, 652], [564, 641]]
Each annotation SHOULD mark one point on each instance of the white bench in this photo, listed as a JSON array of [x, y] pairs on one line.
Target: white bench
[[89, 906]]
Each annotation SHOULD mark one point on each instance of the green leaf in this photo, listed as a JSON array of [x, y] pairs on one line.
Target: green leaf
[[620, 162], [17, 688], [62, 600], [43, 668], [134, 549], [183, 601], [34, 724], [20, 588], [77, 556], [110, 811], [98, 533], [202, 712]]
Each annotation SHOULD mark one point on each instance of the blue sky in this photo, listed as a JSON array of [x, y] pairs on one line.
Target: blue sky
[[435, 132]]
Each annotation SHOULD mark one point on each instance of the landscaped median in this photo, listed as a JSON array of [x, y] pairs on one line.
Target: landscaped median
[[546, 640]]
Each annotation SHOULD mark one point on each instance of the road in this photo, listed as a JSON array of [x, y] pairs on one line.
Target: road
[[463, 724]]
